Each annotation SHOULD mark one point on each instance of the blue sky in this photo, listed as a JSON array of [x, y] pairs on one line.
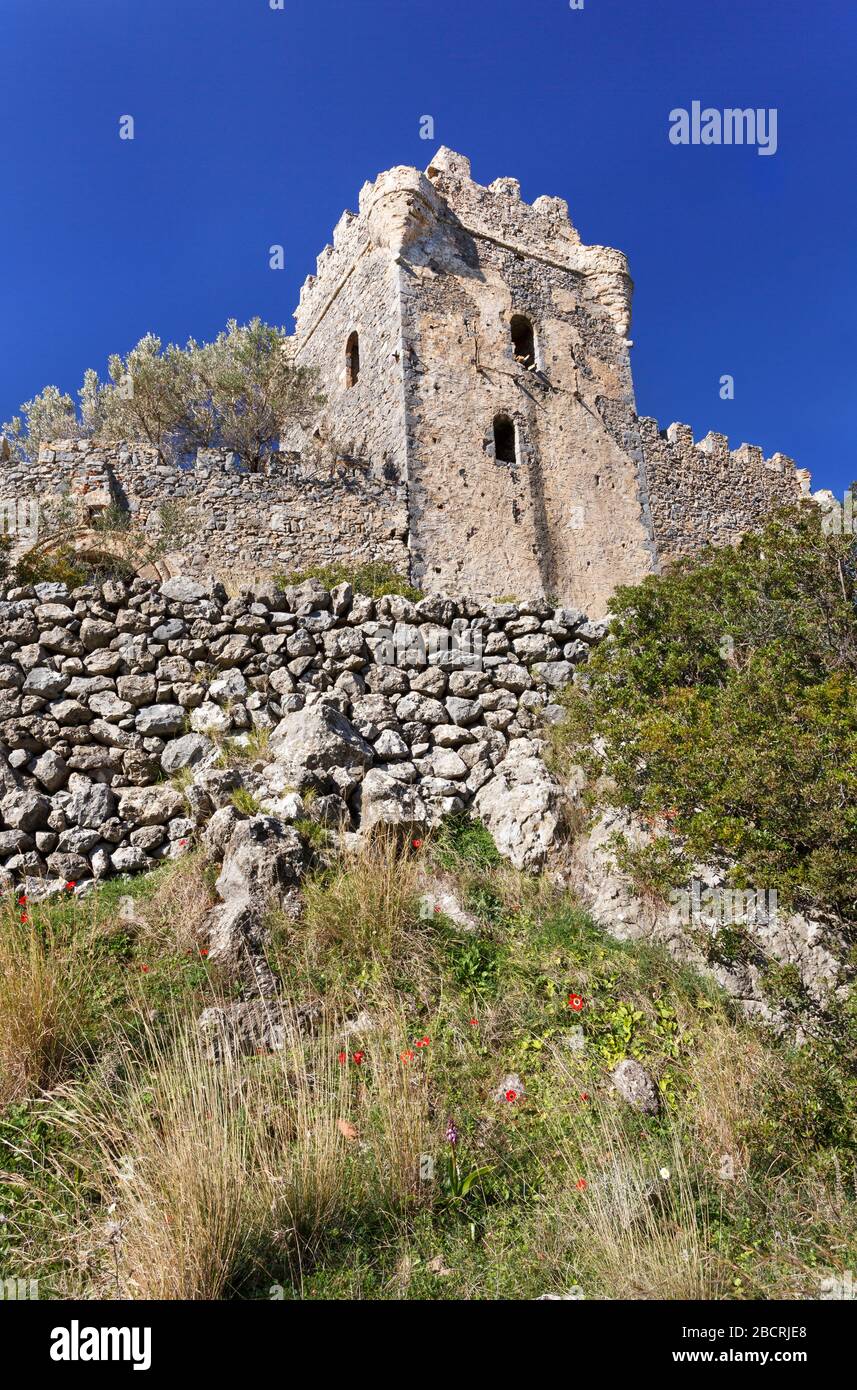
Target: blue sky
[[256, 126]]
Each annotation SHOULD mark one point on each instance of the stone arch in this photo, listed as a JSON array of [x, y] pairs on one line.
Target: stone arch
[[352, 359]]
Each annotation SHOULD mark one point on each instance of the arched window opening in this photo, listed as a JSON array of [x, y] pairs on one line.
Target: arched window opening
[[352, 360], [523, 341], [505, 450]]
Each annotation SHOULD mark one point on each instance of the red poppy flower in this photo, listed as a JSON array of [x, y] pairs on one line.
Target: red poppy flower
[[417, 844], [584, 1095], [204, 951], [22, 899], [474, 1023], [145, 969], [581, 1184], [342, 1057], [575, 1002], [358, 1058], [71, 885], [511, 1095], [407, 1056], [24, 917]]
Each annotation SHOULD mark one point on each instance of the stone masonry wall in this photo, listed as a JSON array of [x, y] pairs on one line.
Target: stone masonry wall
[[569, 518], [400, 465], [429, 274], [344, 710], [704, 494], [237, 524], [354, 291]]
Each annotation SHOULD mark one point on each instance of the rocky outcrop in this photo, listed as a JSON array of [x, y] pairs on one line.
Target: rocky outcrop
[[520, 805], [736, 938]]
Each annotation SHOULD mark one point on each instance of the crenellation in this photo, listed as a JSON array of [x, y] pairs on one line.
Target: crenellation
[[704, 493], [715, 445], [342, 229]]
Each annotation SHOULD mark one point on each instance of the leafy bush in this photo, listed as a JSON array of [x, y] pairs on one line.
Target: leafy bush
[[5, 547], [724, 710], [49, 415], [236, 392], [60, 566]]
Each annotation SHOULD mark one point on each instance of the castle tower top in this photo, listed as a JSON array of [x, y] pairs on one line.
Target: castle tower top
[[403, 205]]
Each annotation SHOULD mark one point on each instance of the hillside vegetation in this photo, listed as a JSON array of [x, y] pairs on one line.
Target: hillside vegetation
[[441, 1121], [724, 709]]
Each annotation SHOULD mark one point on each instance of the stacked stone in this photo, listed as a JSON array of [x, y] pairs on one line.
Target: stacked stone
[[373, 711], [234, 522]]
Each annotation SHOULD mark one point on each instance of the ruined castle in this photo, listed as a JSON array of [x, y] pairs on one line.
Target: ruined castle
[[475, 359]]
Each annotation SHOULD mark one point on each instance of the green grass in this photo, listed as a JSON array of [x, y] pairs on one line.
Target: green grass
[[244, 801], [447, 1013], [465, 843], [376, 579]]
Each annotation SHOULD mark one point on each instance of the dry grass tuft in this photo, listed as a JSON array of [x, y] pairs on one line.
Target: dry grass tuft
[[227, 1177], [364, 911], [625, 1215], [174, 913], [45, 998]]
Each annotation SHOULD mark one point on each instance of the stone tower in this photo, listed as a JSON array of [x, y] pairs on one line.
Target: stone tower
[[470, 345], [479, 430]]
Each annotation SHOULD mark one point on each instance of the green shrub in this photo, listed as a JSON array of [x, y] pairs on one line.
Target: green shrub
[[726, 707], [5, 547], [236, 392], [375, 578], [60, 566]]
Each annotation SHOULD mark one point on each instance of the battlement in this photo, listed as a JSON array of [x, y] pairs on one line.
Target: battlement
[[716, 447], [402, 204], [702, 492]]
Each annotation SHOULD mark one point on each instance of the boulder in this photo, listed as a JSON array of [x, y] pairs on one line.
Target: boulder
[[150, 805], [51, 770], [386, 800], [192, 750], [520, 805], [312, 742], [636, 1086], [183, 590], [160, 721], [90, 805], [209, 718], [45, 682], [128, 859], [261, 858], [25, 810]]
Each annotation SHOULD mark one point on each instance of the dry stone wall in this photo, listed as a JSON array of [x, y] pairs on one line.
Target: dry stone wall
[[116, 702]]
